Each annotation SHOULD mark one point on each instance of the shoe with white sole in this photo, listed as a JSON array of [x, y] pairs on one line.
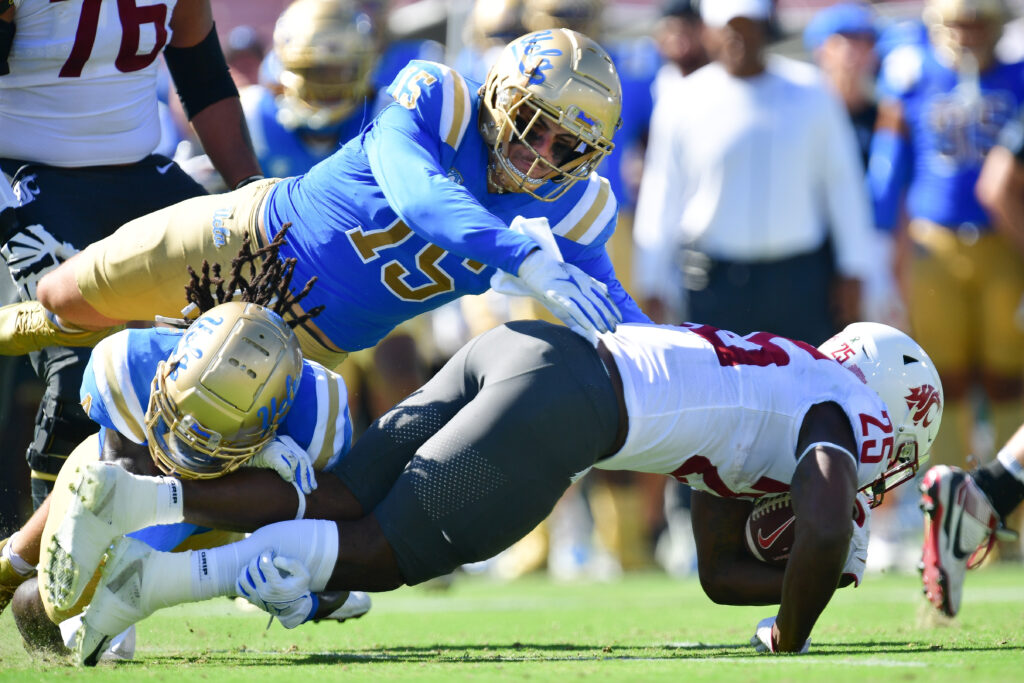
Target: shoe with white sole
[[960, 523], [121, 648], [120, 599], [108, 503], [356, 605]]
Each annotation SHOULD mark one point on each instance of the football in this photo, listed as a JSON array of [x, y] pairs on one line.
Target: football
[[771, 529]]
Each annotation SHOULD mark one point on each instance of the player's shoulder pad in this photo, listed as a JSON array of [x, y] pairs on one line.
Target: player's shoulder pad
[[902, 69], [584, 214], [111, 395], [440, 95]]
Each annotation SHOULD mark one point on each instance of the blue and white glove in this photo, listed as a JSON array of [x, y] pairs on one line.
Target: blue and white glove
[[575, 298], [763, 640], [858, 556], [30, 254], [289, 460], [279, 586]]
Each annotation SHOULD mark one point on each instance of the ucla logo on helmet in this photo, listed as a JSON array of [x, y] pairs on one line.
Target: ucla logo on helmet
[[533, 56]]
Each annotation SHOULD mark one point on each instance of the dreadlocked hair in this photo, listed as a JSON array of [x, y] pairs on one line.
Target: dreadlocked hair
[[268, 287]]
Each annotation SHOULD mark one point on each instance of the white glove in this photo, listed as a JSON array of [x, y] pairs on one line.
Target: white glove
[[763, 641], [289, 460], [30, 254], [575, 298], [279, 586], [858, 556]]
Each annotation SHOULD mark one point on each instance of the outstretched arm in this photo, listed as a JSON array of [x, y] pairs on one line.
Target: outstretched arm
[[823, 489]]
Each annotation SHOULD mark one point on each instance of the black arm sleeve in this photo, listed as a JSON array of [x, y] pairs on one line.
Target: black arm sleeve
[[200, 74], [6, 40]]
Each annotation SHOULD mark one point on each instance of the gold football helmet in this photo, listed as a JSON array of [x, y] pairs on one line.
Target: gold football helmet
[[219, 397], [325, 51], [556, 81], [959, 27], [583, 16]]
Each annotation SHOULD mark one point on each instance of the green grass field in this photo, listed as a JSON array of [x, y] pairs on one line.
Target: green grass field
[[644, 627]]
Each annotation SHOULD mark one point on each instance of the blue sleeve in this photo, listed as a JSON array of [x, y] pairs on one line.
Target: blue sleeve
[[89, 396], [404, 148], [889, 171]]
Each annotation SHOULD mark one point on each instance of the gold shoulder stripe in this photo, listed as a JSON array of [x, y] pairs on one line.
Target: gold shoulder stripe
[[455, 109], [329, 425], [114, 382], [591, 213]]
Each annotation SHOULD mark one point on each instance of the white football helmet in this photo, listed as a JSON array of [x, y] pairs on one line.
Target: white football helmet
[[219, 397], [323, 55], [903, 375], [554, 77]]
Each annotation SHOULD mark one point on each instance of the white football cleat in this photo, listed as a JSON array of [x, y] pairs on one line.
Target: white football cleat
[[107, 504], [121, 648], [120, 599], [356, 605], [959, 519]]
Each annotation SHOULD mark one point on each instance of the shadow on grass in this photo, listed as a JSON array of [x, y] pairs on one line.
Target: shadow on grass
[[542, 652]]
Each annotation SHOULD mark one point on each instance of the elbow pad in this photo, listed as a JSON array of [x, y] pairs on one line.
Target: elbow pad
[[200, 74], [6, 40], [888, 173]]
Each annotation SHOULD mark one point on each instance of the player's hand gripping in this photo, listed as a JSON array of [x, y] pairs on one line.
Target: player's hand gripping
[[30, 254], [279, 586], [764, 639], [575, 298], [289, 460]]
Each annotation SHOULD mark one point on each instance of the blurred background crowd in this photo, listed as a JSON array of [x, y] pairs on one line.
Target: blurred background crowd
[[815, 169]]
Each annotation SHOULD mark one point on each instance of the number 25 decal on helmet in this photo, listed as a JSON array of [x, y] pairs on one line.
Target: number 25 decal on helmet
[[551, 104], [903, 375]]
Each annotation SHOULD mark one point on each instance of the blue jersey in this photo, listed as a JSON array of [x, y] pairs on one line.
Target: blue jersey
[[284, 152], [118, 379], [400, 220], [952, 126]]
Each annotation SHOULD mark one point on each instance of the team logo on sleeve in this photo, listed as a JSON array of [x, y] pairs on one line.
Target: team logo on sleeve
[[456, 177], [924, 403]]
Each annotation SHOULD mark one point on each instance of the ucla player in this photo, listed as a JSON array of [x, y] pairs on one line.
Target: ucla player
[[409, 215], [319, 93], [78, 111], [475, 459], [942, 108], [231, 390]]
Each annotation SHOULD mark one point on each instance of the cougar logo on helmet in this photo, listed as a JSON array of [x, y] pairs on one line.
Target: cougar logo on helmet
[[921, 401]]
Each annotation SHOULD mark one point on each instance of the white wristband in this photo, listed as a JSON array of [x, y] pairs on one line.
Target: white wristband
[[301, 512]]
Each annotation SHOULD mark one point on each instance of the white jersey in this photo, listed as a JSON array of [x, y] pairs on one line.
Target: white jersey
[[722, 412], [82, 87]]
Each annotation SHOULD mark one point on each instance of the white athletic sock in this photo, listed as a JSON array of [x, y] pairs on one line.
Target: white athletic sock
[[313, 542], [18, 563]]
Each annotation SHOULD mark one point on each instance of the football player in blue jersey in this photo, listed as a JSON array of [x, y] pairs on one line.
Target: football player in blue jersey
[[942, 105], [195, 403], [412, 213], [318, 92]]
